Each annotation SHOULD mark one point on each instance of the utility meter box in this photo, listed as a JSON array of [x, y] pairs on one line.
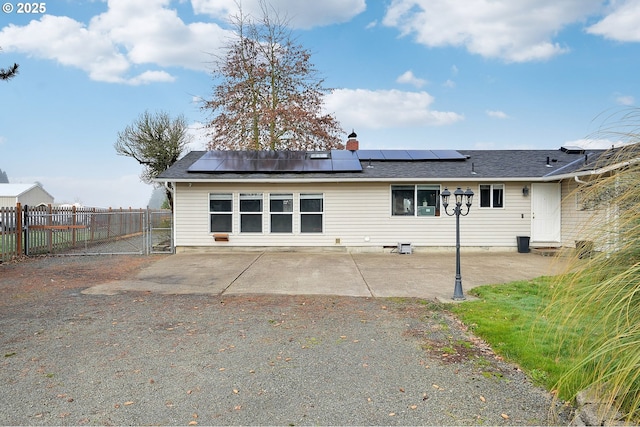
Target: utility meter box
[[404, 248]]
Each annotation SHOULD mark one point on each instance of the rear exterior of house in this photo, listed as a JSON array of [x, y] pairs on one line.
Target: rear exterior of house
[[381, 203]]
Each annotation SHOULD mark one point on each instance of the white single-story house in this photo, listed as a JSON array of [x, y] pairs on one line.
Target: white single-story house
[[374, 200], [25, 194]]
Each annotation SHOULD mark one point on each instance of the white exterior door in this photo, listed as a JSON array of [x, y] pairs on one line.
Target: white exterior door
[[545, 212]]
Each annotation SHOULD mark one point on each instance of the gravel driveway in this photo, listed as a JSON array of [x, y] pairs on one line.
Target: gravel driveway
[[142, 358]]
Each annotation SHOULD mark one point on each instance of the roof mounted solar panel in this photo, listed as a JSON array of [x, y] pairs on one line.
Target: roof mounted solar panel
[[422, 155], [345, 161], [396, 155], [250, 161], [448, 155], [364, 155], [317, 165], [409, 155], [205, 165]]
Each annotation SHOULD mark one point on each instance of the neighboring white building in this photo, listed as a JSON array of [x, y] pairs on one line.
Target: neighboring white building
[[25, 194], [372, 200]]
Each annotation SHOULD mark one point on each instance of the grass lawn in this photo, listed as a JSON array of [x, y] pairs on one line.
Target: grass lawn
[[510, 318]]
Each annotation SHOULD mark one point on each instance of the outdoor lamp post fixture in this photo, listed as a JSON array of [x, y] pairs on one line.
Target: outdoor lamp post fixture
[[457, 211]]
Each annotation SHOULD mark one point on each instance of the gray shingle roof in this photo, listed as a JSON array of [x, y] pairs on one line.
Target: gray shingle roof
[[487, 164]]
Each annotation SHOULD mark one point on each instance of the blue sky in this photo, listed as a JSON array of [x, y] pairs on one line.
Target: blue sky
[[432, 74]]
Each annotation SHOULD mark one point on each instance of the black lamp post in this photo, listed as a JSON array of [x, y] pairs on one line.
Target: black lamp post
[[457, 211]]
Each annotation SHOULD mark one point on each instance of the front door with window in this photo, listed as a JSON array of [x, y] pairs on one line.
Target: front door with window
[[545, 213]]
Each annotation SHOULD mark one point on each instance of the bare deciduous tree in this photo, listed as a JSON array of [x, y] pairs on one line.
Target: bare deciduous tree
[[156, 141], [269, 95]]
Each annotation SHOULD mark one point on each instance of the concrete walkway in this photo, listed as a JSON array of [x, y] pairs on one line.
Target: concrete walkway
[[419, 275]]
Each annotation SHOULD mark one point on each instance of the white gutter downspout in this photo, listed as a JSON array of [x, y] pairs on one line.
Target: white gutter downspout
[[579, 181], [606, 169], [171, 189]]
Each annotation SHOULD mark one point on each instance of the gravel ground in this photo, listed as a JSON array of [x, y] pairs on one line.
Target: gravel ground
[[140, 358]]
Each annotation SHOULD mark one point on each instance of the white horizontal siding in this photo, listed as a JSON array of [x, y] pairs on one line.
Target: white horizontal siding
[[355, 215], [7, 202]]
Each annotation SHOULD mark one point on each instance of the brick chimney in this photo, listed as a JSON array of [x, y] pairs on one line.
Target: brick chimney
[[352, 142]]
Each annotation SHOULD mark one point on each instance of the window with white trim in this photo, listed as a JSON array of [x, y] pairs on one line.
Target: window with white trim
[[220, 212], [311, 213], [415, 200], [492, 195], [251, 212], [281, 213]]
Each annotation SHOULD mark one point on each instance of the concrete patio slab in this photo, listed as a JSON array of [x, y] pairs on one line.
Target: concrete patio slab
[[428, 275]]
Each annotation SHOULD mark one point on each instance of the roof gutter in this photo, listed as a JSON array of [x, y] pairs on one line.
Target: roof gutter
[[576, 175], [353, 180]]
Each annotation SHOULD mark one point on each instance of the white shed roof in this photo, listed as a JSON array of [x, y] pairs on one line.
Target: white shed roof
[[15, 190]]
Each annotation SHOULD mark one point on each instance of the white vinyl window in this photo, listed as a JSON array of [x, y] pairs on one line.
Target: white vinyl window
[[311, 213], [281, 213], [251, 212], [415, 200], [491, 195], [220, 212]]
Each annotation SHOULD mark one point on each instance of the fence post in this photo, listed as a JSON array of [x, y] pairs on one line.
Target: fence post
[[26, 230], [50, 223], [18, 214], [74, 222], [109, 222], [93, 225]]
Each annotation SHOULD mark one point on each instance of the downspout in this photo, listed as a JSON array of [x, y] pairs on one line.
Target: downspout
[[171, 188], [608, 169]]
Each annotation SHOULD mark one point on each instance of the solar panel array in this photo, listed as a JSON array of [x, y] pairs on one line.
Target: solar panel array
[[409, 155], [222, 161]]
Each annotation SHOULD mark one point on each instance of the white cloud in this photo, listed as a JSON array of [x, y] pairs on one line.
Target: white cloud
[[496, 114], [594, 144], [515, 31], [151, 77], [300, 14], [361, 108], [449, 83], [409, 78], [625, 100], [150, 32], [127, 33], [621, 24], [70, 43]]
